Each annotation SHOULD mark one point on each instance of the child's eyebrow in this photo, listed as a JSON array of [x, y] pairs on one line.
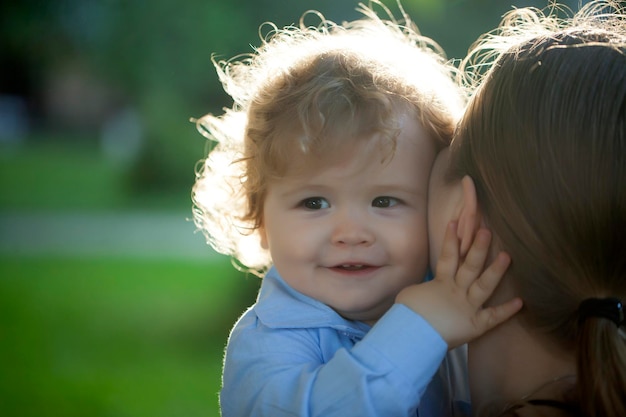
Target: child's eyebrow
[[402, 188], [296, 188]]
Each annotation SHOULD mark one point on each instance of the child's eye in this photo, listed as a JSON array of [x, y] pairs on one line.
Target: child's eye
[[384, 201], [315, 203]]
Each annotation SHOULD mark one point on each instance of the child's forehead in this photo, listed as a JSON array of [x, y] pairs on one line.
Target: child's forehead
[[332, 151], [374, 148], [368, 137], [300, 161]]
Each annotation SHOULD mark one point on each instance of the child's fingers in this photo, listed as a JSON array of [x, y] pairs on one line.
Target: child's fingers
[[490, 317], [474, 262], [482, 288], [449, 258]]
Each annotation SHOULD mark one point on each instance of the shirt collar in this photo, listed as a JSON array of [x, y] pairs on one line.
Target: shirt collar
[[280, 306]]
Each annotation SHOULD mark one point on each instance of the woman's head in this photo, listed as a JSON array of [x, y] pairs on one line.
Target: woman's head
[[544, 141], [304, 97]]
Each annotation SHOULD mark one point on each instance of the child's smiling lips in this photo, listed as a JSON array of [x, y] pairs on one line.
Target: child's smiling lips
[[353, 268]]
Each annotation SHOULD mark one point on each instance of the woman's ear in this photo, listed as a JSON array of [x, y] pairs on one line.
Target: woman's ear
[[469, 217]]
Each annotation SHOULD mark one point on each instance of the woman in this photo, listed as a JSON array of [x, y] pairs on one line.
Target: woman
[[540, 159]]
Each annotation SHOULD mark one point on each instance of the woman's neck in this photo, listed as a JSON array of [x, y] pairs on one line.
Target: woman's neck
[[511, 363]]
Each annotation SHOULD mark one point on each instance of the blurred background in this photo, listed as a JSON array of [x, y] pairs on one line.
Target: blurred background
[[111, 304]]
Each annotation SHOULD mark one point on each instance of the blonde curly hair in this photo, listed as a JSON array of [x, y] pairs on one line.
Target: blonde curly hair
[[305, 92]]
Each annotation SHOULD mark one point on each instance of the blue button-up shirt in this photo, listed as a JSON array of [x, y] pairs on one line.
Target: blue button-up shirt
[[291, 355]]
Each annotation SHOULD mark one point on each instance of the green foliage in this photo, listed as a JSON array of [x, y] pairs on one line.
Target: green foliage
[[52, 174], [155, 57], [102, 337], [59, 176]]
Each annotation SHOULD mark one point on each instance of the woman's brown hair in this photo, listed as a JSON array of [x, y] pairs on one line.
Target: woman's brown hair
[[544, 139]]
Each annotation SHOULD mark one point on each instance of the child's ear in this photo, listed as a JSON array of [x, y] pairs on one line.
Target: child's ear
[[469, 218]]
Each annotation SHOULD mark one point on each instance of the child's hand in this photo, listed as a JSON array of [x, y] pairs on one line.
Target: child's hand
[[453, 301]]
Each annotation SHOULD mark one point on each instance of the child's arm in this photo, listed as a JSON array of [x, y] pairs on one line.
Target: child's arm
[[283, 373], [453, 301]]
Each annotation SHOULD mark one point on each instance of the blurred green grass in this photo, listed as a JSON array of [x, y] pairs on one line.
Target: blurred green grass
[[106, 337], [101, 336]]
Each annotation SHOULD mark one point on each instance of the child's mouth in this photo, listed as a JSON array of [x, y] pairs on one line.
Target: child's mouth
[[352, 267]]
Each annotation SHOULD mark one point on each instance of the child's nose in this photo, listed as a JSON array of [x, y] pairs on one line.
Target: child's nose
[[352, 229]]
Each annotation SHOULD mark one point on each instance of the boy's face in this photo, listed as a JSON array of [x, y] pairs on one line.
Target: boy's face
[[354, 233]]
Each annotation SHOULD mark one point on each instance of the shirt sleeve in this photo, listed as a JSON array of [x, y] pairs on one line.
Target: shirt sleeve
[[276, 373]]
